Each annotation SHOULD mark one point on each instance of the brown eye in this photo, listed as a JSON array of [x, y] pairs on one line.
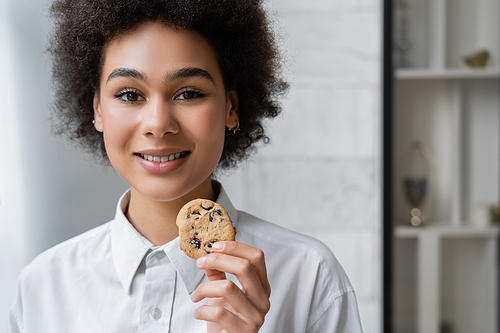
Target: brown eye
[[132, 97], [129, 97], [189, 95]]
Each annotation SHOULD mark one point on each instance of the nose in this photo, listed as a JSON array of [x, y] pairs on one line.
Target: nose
[[158, 118]]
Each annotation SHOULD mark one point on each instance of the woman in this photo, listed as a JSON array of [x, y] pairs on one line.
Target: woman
[[167, 92]]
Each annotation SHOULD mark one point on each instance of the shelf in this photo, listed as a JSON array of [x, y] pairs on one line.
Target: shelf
[[447, 74], [445, 275], [446, 272], [447, 231]]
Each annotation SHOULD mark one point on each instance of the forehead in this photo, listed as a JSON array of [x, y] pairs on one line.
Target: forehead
[[154, 48]]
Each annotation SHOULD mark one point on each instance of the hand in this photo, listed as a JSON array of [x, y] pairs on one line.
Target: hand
[[231, 309]]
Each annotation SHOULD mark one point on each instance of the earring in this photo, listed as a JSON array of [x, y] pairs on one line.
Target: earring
[[93, 121], [234, 129]]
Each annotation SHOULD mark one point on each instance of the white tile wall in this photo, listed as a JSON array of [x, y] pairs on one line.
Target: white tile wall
[[325, 147], [326, 119], [336, 45], [315, 5], [336, 193], [317, 121], [370, 315]]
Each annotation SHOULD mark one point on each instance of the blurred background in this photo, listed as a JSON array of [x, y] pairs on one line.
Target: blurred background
[[388, 136], [445, 163]]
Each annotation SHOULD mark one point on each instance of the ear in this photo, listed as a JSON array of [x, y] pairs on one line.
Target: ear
[[232, 115], [97, 113]]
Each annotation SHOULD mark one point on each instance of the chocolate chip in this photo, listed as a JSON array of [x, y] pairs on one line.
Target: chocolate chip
[[217, 211], [196, 243], [205, 208], [210, 245], [196, 213], [208, 252]]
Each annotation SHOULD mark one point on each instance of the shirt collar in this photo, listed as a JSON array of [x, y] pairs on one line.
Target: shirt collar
[[129, 247]]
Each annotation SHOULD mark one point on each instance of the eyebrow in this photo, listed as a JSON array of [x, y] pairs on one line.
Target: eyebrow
[[188, 72], [126, 72], [183, 73]]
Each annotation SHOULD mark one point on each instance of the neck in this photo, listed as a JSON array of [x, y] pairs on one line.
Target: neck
[[155, 220]]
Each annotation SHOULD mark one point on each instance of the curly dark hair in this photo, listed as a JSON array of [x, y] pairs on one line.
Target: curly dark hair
[[238, 30]]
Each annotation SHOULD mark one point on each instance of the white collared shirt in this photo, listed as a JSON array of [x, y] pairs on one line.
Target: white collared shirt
[[112, 279]]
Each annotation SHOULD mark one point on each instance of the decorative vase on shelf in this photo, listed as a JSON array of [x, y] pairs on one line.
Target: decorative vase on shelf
[[416, 183], [415, 191], [477, 59]]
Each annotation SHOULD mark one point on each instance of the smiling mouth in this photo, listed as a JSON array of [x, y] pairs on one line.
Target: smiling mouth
[[161, 159]]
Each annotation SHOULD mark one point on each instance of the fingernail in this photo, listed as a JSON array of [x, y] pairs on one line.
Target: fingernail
[[200, 261], [218, 246], [192, 297]]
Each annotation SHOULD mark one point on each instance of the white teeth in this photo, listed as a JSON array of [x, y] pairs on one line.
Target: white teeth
[[164, 158]]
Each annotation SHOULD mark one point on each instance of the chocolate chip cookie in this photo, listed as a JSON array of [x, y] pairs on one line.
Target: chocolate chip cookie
[[201, 223]]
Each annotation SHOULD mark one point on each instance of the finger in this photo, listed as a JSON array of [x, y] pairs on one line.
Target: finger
[[226, 319], [254, 255], [245, 273], [230, 292], [213, 275]]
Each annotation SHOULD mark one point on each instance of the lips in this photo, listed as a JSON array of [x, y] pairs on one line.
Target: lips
[[162, 159], [161, 162]]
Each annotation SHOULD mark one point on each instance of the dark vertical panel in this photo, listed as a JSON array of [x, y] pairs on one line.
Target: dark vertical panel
[[387, 166]]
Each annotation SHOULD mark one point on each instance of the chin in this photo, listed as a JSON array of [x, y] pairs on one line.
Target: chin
[[162, 191]]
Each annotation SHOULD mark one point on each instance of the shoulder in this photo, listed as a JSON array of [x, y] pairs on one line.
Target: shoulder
[[282, 239], [275, 234], [304, 275], [59, 275], [74, 252], [300, 252]]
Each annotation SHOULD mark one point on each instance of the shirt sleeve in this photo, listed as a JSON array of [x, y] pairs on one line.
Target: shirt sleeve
[[341, 316], [15, 323]]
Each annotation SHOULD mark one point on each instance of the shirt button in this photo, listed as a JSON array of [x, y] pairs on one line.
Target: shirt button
[[156, 313], [160, 254]]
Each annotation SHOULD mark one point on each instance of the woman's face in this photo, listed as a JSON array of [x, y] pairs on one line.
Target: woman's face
[[163, 109]]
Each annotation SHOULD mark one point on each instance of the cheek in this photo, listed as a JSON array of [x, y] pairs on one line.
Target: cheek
[[117, 130], [211, 126]]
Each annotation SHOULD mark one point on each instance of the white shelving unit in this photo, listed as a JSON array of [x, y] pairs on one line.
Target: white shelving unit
[[449, 74], [444, 277], [446, 273]]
